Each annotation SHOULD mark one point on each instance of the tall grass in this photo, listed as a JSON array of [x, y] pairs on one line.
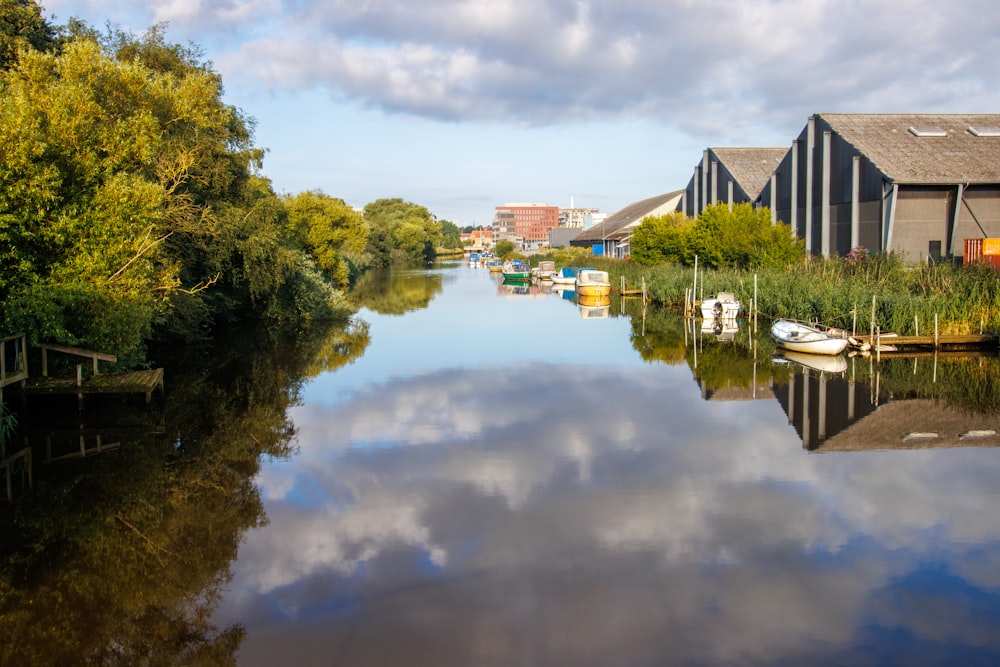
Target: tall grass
[[839, 293]]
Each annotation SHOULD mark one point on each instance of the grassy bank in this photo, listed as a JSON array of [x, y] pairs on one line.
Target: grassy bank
[[828, 291]]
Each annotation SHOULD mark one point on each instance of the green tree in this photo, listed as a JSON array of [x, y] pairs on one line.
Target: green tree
[[128, 187], [503, 248], [22, 26], [742, 238], [400, 229], [332, 231], [661, 239], [451, 235]]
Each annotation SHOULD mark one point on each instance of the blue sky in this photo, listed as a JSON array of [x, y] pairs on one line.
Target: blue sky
[[463, 105]]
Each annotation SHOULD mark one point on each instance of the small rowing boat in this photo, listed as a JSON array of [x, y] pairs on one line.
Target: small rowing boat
[[799, 337]]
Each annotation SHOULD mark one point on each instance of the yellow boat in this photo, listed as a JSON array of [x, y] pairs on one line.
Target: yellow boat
[[591, 282]]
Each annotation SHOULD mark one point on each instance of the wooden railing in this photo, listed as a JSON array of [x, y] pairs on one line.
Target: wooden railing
[[16, 348], [80, 352]]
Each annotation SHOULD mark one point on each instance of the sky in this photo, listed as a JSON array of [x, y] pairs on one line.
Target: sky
[[465, 105]]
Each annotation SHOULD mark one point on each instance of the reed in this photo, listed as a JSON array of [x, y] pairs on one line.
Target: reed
[[829, 291]]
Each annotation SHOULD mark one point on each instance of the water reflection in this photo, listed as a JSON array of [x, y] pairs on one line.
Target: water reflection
[[589, 513], [117, 554], [493, 481], [395, 291]]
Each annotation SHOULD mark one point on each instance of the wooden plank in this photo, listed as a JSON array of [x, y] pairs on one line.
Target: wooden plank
[[134, 382], [80, 352], [954, 339]]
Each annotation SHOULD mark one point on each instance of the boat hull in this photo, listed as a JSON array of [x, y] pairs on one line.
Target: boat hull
[[593, 290], [591, 282], [723, 305], [797, 337]]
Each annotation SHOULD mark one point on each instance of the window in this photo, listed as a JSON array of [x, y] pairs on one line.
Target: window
[[928, 131], [985, 130]]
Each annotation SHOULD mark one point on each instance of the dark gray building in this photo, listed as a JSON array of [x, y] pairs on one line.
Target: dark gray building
[[917, 184], [731, 176]]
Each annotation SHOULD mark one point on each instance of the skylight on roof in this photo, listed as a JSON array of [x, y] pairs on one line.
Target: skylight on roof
[[985, 130], [928, 131]]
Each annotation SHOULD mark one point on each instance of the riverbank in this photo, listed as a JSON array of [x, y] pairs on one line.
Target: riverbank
[[837, 292]]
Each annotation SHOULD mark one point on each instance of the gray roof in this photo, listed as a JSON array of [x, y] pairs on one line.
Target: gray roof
[[750, 167], [909, 424], [958, 157], [616, 225]]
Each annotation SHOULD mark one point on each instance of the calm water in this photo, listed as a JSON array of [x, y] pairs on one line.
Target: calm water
[[505, 479]]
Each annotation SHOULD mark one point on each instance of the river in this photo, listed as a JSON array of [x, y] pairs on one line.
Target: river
[[503, 478]]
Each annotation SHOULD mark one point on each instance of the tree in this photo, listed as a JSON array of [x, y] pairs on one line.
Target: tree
[[451, 236], [128, 187], [661, 239], [401, 229], [743, 237], [23, 27], [332, 231], [503, 248]]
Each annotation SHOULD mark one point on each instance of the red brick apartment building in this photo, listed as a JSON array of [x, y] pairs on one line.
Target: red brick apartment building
[[529, 222]]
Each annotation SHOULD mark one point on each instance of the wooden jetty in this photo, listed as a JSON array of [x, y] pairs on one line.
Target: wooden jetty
[[625, 290], [933, 341], [131, 382]]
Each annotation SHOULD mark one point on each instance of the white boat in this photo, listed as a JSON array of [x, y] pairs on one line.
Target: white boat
[[544, 270], [565, 276], [799, 337], [723, 305], [591, 282]]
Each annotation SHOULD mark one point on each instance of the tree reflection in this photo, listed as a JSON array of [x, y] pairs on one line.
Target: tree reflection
[[121, 558], [395, 291]]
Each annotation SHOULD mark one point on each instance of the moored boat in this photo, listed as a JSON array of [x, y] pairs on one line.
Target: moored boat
[[544, 270], [799, 337], [591, 282], [517, 270], [495, 265], [723, 305], [565, 276]]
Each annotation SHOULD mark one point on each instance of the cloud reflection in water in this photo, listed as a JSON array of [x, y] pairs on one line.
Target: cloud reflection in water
[[590, 515]]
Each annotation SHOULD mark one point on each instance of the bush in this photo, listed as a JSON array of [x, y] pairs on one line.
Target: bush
[[741, 238]]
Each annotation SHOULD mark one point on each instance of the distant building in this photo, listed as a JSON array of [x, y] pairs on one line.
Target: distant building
[[918, 184], [479, 238], [529, 222], [575, 218], [731, 176], [612, 237], [560, 237]]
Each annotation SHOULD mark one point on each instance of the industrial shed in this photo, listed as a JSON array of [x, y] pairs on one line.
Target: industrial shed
[[917, 184], [731, 176], [611, 237]]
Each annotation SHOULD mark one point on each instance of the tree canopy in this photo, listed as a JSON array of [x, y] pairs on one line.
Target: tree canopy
[[401, 230], [129, 188], [743, 237]]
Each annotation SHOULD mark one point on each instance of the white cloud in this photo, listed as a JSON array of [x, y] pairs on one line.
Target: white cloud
[[684, 64]]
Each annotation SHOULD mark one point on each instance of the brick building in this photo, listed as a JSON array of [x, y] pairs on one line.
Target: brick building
[[528, 222]]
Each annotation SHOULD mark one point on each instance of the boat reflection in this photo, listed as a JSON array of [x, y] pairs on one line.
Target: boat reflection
[[593, 307], [824, 363], [723, 328]]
